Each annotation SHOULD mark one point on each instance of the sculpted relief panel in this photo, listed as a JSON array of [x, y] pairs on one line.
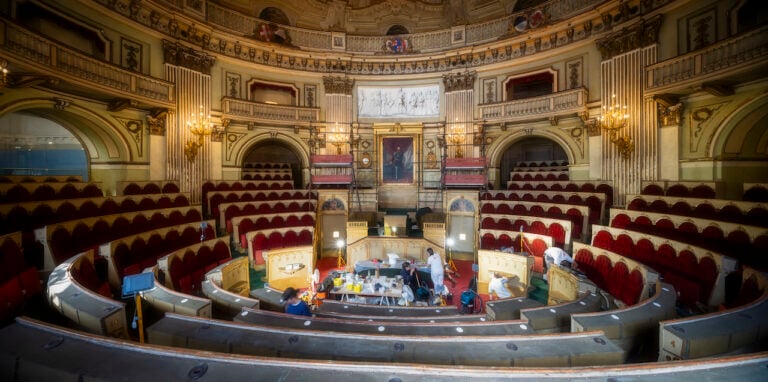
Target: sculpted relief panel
[[398, 102]]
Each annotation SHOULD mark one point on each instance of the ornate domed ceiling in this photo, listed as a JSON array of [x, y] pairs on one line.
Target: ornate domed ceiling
[[377, 17]]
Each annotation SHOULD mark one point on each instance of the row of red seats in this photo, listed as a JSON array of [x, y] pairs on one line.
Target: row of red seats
[[40, 179], [681, 190], [263, 208], [545, 164], [218, 197], [614, 278], [572, 215], [536, 247], [756, 194], [65, 244], [130, 259], [236, 185], [151, 188], [593, 202], [570, 186], [257, 176], [16, 291], [188, 273], [554, 230], [257, 223], [266, 165], [31, 192], [693, 279], [736, 243], [290, 238], [757, 216], [533, 176]]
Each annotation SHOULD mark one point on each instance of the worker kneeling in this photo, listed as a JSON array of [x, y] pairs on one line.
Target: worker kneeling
[[505, 287]]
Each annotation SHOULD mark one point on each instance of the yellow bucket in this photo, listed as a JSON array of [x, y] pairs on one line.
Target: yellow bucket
[[337, 281], [358, 288]]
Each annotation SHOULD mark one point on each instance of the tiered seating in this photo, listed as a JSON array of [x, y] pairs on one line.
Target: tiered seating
[[559, 230], [240, 185], [19, 282], [534, 244], [625, 279], [266, 165], [596, 201], [20, 343], [697, 274], [62, 240], [585, 186], [267, 174], [577, 215], [692, 189], [215, 198], [748, 244], [38, 191], [186, 267], [132, 254], [228, 287], [241, 225], [26, 217], [228, 211], [147, 187], [734, 211]]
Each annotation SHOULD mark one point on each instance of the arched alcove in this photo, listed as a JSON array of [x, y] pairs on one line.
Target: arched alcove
[[32, 145], [276, 151], [529, 149], [274, 15]]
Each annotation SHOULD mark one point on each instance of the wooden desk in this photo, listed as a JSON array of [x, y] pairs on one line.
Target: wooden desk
[[387, 294]]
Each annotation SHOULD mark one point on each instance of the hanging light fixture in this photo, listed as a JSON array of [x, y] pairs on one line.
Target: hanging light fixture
[[4, 71]]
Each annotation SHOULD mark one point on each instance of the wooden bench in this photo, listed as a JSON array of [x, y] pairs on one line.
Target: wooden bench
[[739, 330], [561, 350], [87, 309], [393, 328], [228, 287], [557, 318], [633, 327], [331, 306], [509, 308], [166, 300]]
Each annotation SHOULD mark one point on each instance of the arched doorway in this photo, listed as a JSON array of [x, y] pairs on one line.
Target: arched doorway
[[276, 151], [529, 149], [33, 145]]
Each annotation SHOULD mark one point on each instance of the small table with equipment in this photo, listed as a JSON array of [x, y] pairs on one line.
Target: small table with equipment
[[386, 290]]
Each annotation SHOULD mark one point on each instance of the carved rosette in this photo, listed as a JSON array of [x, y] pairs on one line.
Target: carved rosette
[[459, 81], [338, 85], [180, 55], [642, 34]]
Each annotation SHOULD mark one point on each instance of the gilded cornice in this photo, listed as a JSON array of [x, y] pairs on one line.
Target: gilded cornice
[[507, 47]]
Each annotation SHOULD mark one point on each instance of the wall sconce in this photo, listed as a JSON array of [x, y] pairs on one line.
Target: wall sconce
[[200, 126], [337, 137], [456, 138], [4, 70], [613, 119]]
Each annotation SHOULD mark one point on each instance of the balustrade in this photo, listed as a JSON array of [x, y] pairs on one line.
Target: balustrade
[[560, 103]]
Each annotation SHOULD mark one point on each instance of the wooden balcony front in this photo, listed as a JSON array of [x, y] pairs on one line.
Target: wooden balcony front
[[263, 113], [551, 106]]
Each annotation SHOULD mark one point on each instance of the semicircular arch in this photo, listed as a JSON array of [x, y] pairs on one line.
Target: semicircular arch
[[743, 133], [500, 146], [293, 143]]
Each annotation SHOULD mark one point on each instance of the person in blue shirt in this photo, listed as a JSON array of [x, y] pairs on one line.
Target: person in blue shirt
[[293, 304], [407, 273]]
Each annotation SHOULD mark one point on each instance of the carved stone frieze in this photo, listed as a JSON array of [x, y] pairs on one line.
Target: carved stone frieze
[[135, 129], [180, 55], [459, 81], [639, 35], [338, 85]]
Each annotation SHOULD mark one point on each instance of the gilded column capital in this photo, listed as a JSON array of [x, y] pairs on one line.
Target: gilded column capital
[[459, 81], [180, 55], [641, 34], [156, 123], [338, 85]]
